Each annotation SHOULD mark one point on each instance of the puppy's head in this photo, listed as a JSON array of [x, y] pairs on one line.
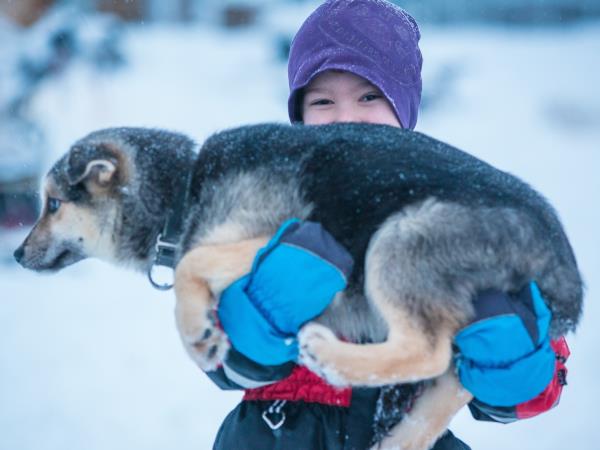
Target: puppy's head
[[81, 202]]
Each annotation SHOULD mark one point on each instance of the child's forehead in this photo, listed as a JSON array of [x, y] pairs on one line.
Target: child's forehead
[[331, 78]]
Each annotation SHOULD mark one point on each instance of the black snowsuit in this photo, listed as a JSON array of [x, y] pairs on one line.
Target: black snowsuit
[[252, 425]]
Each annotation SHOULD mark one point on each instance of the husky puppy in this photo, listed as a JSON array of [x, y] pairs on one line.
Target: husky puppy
[[428, 227]]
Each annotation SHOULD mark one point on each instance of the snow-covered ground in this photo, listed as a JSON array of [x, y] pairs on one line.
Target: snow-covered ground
[[90, 358]]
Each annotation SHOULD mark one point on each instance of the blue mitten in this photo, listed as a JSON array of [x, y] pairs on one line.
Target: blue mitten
[[293, 279], [504, 357]]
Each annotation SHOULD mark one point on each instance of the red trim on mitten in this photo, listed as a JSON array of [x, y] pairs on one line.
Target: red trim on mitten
[[550, 397]]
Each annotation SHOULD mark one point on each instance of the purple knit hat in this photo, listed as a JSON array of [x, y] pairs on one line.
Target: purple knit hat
[[373, 39]]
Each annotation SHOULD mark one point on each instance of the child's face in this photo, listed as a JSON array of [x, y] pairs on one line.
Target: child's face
[[335, 96]]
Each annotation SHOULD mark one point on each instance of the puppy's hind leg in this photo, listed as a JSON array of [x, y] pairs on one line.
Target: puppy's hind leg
[[199, 278], [404, 281], [429, 417], [407, 355]]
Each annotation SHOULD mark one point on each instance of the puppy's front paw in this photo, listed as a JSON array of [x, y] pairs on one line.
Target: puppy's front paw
[[203, 340], [317, 346]]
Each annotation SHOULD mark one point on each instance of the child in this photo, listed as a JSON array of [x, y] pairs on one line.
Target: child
[[373, 40], [351, 61]]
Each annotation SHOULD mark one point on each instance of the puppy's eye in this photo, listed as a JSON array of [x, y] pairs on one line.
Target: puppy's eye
[[53, 205]]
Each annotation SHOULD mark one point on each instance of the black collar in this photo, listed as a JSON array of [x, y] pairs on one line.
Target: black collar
[[168, 240]]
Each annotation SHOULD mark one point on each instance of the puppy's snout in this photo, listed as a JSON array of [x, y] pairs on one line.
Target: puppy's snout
[[19, 253]]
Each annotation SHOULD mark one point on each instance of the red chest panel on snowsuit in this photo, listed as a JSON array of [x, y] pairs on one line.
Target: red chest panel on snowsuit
[[302, 385]]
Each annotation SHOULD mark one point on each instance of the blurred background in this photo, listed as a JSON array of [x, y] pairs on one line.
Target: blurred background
[[90, 358]]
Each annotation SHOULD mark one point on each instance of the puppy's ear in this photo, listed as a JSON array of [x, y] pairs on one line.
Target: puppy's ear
[[97, 165]]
